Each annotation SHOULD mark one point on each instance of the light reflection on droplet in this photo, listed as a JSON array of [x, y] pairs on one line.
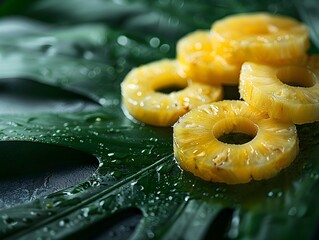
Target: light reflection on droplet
[[165, 48], [155, 42], [122, 40]]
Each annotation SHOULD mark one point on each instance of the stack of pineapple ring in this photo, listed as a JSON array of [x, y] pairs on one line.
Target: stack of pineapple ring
[[266, 55]]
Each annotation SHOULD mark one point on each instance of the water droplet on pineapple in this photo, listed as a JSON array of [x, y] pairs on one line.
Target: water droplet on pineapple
[[164, 169], [33, 213]]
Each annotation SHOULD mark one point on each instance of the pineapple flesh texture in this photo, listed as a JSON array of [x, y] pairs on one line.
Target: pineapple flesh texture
[[197, 147], [143, 100], [286, 92], [201, 63], [260, 37]]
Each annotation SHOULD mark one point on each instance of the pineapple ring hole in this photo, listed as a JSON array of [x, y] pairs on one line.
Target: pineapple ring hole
[[296, 76], [169, 89], [238, 131]]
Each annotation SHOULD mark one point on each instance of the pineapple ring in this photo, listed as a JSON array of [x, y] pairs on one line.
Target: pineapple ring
[[198, 149], [195, 53], [145, 103], [259, 37], [288, 92]]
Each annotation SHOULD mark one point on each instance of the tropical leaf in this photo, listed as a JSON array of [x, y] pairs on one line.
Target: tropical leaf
[[138, 190]]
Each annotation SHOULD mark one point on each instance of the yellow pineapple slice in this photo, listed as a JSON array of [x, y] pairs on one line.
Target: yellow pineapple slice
[[259, 37], [199, 150], [287, 92], [142, 98], [199, 62]]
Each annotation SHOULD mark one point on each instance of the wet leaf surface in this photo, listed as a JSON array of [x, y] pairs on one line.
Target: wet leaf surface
[[84, 49]]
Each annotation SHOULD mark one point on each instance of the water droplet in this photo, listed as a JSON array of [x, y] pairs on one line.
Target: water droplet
[[61, 223], [85, 212], [122, 40], [26, 220], [178, 3], [275, 193], [221, 189], [155, 42], [164, 169], [314, 175], [270, 194], [102, 101], [292, 211], [116, 174], [165, 48], [234, 228], [121, 61]]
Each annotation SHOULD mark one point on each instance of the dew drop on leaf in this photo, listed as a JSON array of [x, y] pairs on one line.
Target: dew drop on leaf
[[122, 40], [154, 42], [165, 48], [26, 220], [292, 211], [275, 193]]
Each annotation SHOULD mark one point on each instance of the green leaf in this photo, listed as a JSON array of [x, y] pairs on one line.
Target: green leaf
[[87, 47]]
